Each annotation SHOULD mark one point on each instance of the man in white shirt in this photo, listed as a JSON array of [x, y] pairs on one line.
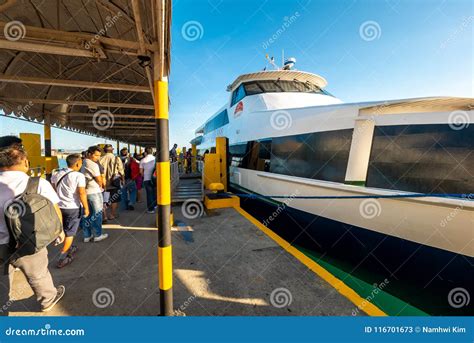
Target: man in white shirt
[[70, 185], [147, 167], [94, 186], [13, 181]]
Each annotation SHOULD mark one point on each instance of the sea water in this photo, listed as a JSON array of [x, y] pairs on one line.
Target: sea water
[[62, 163]]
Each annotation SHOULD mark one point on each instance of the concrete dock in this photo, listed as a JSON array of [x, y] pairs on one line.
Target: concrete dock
[[224, 265]]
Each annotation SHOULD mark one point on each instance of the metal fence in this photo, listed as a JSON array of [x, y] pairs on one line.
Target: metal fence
[[174, 175], [200, 169]]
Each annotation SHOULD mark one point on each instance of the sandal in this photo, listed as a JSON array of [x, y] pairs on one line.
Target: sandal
[[64, 262], [72, 251]]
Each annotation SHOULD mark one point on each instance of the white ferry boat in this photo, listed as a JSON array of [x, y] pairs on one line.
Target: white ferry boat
[[338, 179]]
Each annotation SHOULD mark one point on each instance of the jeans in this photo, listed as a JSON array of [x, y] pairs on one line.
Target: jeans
[[129, 194], [35, 268], [150, 195], [94, 221]]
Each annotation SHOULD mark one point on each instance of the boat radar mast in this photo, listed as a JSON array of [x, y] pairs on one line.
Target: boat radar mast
[[287, 65]]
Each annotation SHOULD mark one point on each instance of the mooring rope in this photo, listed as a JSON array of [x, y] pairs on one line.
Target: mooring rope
[[462, 196]]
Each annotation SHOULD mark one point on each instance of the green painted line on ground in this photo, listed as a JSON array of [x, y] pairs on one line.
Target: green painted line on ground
[[388, 303]]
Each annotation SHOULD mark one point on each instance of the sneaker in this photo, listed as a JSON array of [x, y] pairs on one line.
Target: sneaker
[[87, 239], [60, 293], [130, 208], [150, 211], [101, 237]]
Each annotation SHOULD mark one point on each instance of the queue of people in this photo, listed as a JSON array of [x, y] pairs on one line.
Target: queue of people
[[84, 195], [184, 158], [14, 181]]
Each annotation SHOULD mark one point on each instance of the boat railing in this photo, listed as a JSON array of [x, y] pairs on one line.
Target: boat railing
[[200, 166]]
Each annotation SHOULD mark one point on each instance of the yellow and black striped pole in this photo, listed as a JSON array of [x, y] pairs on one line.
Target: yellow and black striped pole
[[47, 145], [163, 190]]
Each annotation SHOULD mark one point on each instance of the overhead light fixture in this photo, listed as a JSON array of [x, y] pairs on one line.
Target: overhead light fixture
[[144, 60]]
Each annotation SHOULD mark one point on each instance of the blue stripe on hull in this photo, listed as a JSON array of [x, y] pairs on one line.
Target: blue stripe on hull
[[420, 275]]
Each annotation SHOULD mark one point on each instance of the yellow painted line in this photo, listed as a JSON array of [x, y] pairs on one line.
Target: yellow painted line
[[340, 286], [165, 268]]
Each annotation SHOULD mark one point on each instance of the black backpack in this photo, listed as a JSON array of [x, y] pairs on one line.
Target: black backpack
[[32, 220], [127, 169]]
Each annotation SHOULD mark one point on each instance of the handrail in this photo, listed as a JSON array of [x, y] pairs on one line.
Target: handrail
[[174, 175], [200, 168]]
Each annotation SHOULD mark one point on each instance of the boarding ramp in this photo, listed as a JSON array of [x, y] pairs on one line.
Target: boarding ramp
[[187, 186]]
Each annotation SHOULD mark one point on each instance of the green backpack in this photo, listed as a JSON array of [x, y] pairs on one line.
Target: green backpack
[[32, 220]]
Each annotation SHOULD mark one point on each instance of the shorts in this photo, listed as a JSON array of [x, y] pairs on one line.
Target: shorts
[[139, 182], [115, 195], [71, 220]]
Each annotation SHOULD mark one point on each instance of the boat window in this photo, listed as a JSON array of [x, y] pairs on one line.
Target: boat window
[[319, 155], [238, 95], [253, 88], [237, 153], [271, 86], [218, 121], [254, 155], [428, 158], [258, 155]]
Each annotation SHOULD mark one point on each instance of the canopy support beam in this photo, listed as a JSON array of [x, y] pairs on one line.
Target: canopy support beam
[[77, 103], [72, 83], [47, 145]]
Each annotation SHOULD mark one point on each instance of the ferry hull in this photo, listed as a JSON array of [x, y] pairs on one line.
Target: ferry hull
[[419, 274]]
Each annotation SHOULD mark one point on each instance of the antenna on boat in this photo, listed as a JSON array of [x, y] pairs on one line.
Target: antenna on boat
[[272, 61]]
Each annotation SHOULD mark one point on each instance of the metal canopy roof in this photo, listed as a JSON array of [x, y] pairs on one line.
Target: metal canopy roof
[[86, 65]]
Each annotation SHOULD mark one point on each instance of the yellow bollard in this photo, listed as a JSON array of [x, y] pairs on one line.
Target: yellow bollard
[[193, 158]]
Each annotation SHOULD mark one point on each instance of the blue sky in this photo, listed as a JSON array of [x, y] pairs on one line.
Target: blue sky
[[409, 49]]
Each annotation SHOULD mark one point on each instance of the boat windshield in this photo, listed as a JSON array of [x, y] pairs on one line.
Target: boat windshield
[[273, 86]]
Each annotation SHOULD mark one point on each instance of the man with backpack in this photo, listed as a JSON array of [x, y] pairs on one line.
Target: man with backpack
[[114, 178], [70, 186], [31, 221]]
